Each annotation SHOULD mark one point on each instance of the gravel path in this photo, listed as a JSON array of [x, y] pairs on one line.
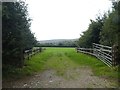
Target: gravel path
[[74, 78]]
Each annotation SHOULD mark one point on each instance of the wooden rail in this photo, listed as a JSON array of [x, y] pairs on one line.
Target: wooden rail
[[106, 54], [29, 53]]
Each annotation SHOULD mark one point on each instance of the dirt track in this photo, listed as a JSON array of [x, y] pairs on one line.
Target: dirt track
[[74, 78]]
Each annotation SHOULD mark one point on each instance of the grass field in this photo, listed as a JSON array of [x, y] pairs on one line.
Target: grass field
[[62, 59]]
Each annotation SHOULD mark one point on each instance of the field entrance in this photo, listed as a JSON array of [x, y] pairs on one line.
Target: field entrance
[[63, 68]]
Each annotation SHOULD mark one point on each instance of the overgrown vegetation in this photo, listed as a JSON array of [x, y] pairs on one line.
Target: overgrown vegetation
[[103, 30], [16, 35], [35, 64]]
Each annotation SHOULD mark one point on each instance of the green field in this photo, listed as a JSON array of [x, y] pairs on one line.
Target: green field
[[62, 59]]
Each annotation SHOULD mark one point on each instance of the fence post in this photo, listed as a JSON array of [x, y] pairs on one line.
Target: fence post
[[28, 55], [31, 53], [93, 49], [77, 49], [115, 55], [40, 49]]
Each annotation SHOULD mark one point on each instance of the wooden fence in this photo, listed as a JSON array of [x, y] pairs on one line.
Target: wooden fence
[[108, 55], [29, 53]]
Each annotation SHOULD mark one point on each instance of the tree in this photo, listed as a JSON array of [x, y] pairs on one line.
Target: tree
[[92, 34], [110, 33], [16, 35]]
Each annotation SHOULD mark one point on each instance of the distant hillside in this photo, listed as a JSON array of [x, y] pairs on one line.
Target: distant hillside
[[58, 42]]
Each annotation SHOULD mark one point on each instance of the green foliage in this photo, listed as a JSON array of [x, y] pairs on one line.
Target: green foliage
[[92, 34], [98, 67], [110, 33], [16, 35], [35, 64], [59, 61], [104, 30]]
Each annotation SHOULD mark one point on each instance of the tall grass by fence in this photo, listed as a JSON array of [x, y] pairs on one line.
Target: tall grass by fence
[[108, 55]]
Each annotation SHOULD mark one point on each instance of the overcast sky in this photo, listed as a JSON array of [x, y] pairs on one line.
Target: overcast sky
[[63, 19]]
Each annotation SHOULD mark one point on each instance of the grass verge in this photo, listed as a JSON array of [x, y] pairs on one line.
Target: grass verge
[[98, 67], [35, 64]]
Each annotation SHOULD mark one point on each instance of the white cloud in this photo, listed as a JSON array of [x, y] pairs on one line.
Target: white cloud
[[55, 19]]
